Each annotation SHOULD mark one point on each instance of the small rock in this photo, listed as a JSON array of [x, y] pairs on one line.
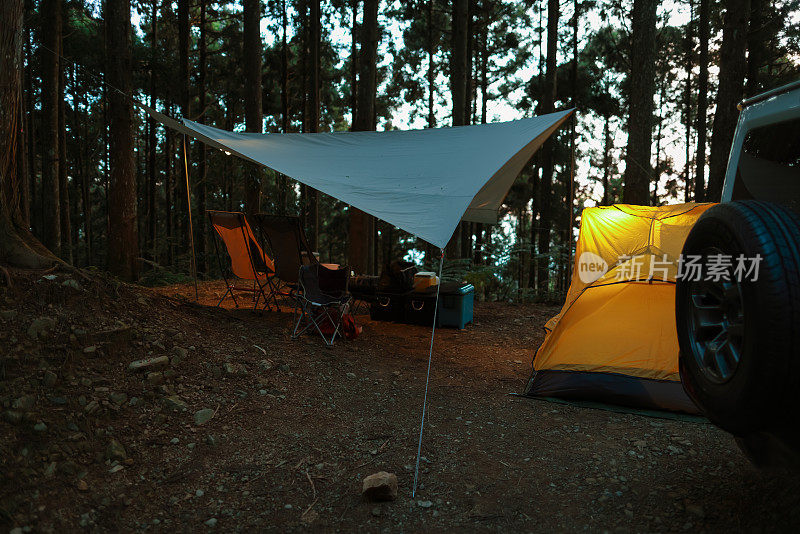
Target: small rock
[[49, 379], [203, 416], [211, 441], [118, 398], [82, 485], [115, 450], [24, 403], [41, 328], [265, 365], [178, 355], [116, 469], [155, 378], [351, 375], [91, 407], [175, 403], [174, 441], [91, 349], [424, 504], [211, 522], [199, 493], [69, 282], [381, 486], [376, 511], [40, 427], [234, 369], [148, 363]]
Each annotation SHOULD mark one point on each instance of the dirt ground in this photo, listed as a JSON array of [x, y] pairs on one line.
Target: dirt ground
[[87, 444]]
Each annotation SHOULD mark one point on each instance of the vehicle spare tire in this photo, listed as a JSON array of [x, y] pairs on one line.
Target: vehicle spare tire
[[740, 339]]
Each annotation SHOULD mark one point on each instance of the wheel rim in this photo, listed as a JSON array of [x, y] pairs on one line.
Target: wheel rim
[[716, 327]]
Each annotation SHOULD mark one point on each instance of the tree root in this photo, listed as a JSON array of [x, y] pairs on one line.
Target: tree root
[[7, 276]]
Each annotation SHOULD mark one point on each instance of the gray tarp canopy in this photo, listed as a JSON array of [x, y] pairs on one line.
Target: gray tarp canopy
[[423, 181]]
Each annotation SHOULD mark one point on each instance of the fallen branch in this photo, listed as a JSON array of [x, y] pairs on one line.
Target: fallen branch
[[313, 489]]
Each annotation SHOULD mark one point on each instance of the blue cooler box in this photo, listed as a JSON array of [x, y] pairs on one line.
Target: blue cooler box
[[455, 306]]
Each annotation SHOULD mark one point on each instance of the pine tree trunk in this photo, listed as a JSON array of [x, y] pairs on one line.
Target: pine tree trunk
[[252, 94], [732, 68], [756, 48], [313, 117], [63, 184], [353, 61], [30, 222], [123, 241], [181, 221], [459, 83], [546, 182], [50, 68], [18, 247], [359, 246], [151, 137], [702, 102], [169, 154], [283, 185], [202, 164], [641, 87], [431, 67], [687, 102], [83, 175]]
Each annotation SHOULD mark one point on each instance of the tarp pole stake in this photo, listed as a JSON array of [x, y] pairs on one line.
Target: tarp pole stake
[[189, 206], [428, 377]]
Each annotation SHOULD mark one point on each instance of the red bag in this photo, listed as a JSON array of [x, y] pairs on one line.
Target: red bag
[[350, 327]]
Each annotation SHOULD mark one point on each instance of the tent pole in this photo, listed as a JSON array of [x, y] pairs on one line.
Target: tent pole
[[428, 377], [189, 209], [570, 201]]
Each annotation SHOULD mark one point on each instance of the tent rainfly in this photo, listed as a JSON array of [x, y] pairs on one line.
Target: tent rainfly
[[423, 181], [614, 340]]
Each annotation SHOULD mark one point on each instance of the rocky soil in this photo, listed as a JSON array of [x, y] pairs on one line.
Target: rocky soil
[[230, 425]]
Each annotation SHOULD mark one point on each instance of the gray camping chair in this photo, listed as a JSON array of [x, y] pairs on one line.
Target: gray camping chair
[[322, 300]]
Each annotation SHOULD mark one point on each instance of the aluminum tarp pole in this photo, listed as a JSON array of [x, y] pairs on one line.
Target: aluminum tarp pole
[[428, 377]]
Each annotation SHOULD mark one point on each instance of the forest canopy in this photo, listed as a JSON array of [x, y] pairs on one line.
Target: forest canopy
[[89, 179]]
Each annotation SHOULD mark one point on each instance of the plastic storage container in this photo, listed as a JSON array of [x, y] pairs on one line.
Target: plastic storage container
[[424, 280], [455, 306]]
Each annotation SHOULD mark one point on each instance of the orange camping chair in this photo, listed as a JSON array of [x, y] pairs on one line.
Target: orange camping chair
[[248, 261]]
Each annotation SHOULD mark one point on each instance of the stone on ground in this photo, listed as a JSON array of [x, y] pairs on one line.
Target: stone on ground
[[381, 486], [203, 416]]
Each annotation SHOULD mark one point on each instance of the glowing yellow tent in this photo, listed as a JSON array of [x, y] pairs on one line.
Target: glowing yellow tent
[[615, 339]]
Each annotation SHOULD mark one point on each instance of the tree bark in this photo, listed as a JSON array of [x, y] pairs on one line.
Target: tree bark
[[431, 67], [50, 68], [641, 87], [313, 117], [687, 102], [181, 195], [18, 247], [755, 47], [252, 94], [202, 164], [459, 84], [151, 136], [732, 68], [703, 31], [123, 241], [546, 181], [364, 120], [283, 186], [63, 184]]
